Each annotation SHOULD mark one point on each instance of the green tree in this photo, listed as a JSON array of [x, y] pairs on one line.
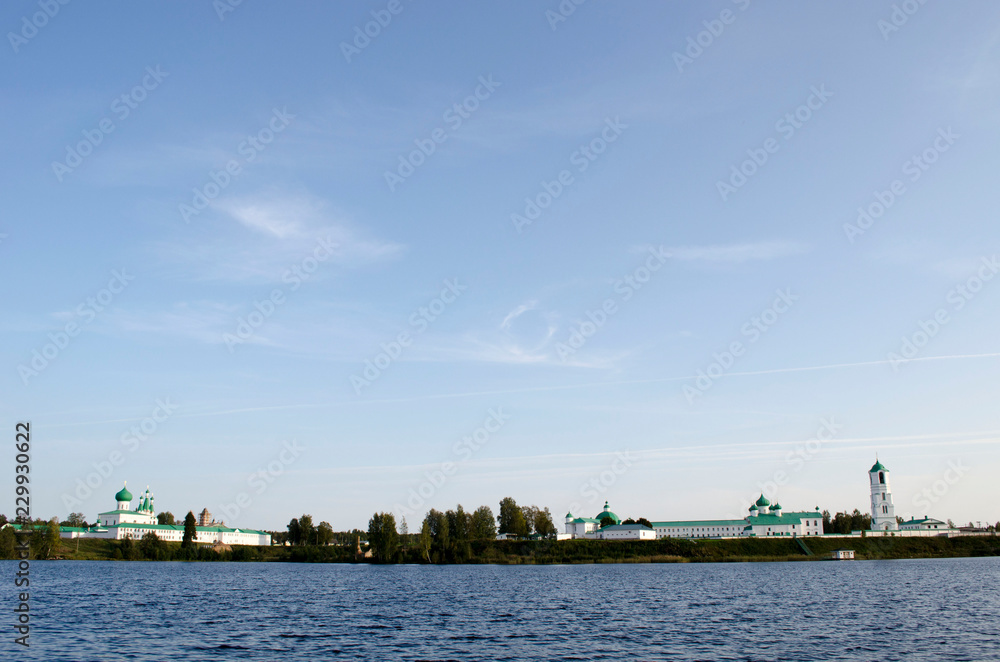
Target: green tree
[[606, 521], [383, 537], [294, 532], [628, 521], [860, 522], [151, 547], [424, 539], [644, 522], [126, 549], [841, 523], [324, 533], [75, 519], [190, 531], [166, 517], [827, 523], [460, 530], [482, 524], [458, 524], [543, 525], [511, 518], [8, 542], [308, 531], [530, 513], [437, 527], [52, 537]]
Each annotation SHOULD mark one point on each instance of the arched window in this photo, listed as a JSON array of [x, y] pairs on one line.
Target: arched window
[[881, 477]]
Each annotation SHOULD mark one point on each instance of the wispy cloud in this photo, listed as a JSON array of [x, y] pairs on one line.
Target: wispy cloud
[[279, 221], [273, 233], [517, 312]]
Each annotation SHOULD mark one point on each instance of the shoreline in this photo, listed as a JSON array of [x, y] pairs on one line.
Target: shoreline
[[574, 552]]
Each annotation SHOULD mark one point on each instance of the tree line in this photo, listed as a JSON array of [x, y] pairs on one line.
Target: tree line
[[845, 522], [448, 536]]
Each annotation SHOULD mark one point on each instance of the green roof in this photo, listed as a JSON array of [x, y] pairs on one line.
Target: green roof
[[607, 513], [123, 495], [762, 502], [922, 521], [701, 523], [877, 467], [784, 518]]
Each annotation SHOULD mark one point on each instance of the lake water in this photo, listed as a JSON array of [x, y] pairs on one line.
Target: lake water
[[861, 610]]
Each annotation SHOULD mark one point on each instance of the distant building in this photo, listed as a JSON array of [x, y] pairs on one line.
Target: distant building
[[927, 523], [842, 555], [627, 532], [883, 513], [763, 520], [579, 527], [205, 519], [123, 522]]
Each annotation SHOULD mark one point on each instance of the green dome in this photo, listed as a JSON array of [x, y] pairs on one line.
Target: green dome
[[753, 507], [877, 467], [123, 495], [762, 502], [776, 506], [607, 513]]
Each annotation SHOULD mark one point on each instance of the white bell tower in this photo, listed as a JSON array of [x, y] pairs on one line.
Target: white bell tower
[[883, 513]]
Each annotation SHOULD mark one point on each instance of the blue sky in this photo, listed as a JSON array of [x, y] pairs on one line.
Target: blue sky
[[597, 223]]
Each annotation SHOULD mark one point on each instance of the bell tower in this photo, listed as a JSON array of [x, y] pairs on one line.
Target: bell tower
[[883, 513]]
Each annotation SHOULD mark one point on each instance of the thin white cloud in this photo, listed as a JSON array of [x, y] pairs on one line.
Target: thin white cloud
[[280, 222], [282, 231], [517, 312]]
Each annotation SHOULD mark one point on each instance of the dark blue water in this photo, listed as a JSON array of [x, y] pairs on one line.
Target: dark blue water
[[891, 610]]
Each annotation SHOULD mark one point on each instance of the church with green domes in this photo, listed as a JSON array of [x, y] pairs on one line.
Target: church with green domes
[[127, 522], [763, 519]]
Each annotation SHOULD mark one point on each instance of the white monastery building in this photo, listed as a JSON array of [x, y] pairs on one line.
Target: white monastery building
[[123, 522], [764, 519]]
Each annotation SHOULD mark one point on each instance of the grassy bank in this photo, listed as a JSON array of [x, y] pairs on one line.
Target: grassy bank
[[584, 551]]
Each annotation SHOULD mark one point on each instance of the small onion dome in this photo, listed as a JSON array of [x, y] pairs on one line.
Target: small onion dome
[[569, 515], [762, 502], [123, 495], [753, 508], [607, 513], [877, 467]]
